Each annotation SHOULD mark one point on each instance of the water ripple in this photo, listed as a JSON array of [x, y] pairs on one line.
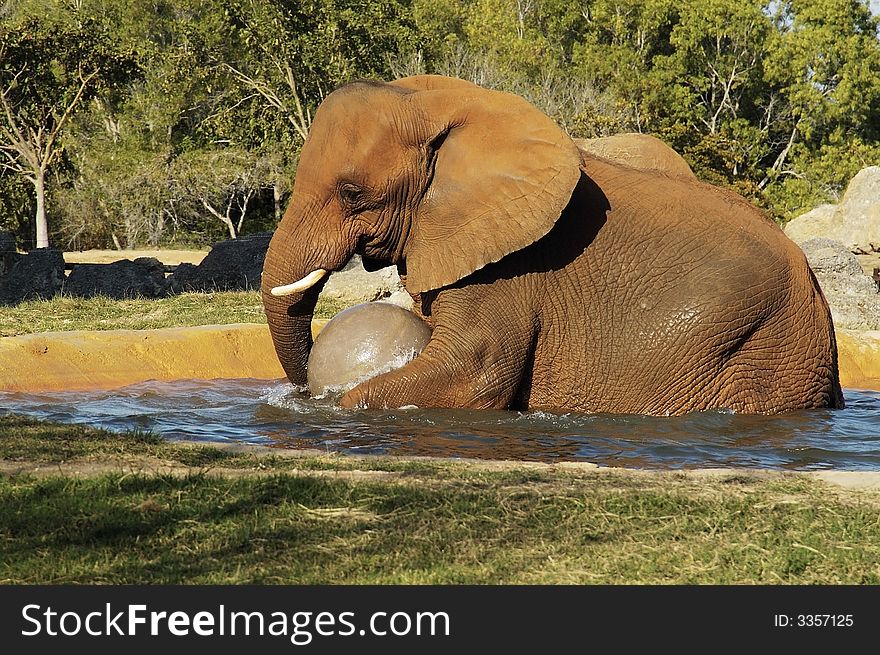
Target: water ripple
[[255, 411]]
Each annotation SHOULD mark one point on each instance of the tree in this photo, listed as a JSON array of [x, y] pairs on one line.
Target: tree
[[288, 56], [760, 96], [47, 71], [31, 133], [105, 104], [716, 62], [709, 96], [16, 204], [619, 42], [221, 182], [123, 145]]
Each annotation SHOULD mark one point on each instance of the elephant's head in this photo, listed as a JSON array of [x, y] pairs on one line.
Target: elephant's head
[[436, 175]]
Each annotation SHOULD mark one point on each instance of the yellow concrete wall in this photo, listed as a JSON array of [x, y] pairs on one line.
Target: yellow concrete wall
[[859, 359], [115, 358]]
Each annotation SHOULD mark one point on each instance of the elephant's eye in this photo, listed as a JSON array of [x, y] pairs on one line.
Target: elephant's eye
[[351, 195]]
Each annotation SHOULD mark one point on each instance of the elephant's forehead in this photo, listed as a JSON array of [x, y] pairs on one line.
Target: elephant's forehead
[[354, 138]]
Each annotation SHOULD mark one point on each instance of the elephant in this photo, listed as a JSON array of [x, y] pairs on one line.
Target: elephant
[[642, 151], [551, 278]]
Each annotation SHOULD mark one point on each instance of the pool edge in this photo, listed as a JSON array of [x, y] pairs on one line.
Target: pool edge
[[79, 360]]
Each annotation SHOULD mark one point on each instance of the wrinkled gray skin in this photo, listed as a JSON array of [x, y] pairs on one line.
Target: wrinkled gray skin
[[361, 342]]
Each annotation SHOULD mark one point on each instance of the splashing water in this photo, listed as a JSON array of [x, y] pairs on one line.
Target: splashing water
[[400, 358]]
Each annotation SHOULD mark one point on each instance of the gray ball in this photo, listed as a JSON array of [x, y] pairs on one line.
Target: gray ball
[[362, 342]]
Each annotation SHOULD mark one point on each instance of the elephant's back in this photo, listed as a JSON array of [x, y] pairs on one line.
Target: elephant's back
[[674, 279], [679, 217], [639, 151]]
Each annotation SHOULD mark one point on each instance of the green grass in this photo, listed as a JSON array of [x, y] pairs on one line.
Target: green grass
[[102, 313], [30, 440], [244, 518]]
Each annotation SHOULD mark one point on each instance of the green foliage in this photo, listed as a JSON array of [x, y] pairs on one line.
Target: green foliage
[[46, 58], [827, 64], [50, 66], [16, 205], [222, 82]]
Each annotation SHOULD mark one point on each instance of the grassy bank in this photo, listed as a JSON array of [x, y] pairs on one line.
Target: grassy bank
[[184, 310], [82, 505]]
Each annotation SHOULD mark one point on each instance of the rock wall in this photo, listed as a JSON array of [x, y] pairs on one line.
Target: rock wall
[[854, 297], [39, 275], [233, 265], [142, 278], [641, 151]]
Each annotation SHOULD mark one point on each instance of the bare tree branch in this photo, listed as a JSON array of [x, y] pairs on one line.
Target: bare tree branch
[[300, 119], [243, 201], [225, 219], [34, 145], [304, 119], [13, 160], [780, 160], [11, 129], [30, 147]]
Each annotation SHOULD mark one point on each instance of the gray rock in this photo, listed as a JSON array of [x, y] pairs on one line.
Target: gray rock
[[39, 274], [354, 285], [184, 278], [233, 265], [401, 298], [641, 151], [853, 296], [7, 242], [142, 278], [855, 221], [816, 223]]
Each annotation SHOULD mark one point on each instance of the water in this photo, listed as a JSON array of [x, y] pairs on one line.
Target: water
[[274, 413]]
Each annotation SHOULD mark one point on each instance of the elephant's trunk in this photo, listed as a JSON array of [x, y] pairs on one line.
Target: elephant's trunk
[[289, 316], [290, 325]]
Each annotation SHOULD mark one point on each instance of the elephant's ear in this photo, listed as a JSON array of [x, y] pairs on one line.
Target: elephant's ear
[[503, 171]]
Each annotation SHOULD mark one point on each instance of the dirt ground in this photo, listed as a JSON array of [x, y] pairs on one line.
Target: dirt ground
[[146, 464], [170, 257]]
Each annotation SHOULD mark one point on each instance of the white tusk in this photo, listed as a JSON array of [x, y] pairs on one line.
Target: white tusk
[[307, 282]]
